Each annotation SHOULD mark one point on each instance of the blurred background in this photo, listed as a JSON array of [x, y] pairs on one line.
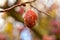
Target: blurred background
[[41, 21]]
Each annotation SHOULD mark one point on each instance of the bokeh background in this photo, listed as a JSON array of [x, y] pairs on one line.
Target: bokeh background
[[12, 26]]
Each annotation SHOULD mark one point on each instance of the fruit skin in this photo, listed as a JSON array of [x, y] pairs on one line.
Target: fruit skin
[[30, 18]]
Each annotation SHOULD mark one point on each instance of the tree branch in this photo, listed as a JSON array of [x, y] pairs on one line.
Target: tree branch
[[41, 11], [22, 4]]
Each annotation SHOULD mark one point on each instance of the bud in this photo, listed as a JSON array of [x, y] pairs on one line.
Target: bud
[[33, 21], [30, 18]]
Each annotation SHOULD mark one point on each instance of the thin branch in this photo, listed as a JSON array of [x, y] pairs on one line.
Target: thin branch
[[16, 6], [23, 4], [41, 11]]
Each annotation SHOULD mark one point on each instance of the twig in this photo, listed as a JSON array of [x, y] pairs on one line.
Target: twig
[[16, 6], [23, 4], [41, 11]]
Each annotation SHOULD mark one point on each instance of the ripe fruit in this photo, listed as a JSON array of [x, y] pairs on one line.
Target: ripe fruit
[[30, 18]]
